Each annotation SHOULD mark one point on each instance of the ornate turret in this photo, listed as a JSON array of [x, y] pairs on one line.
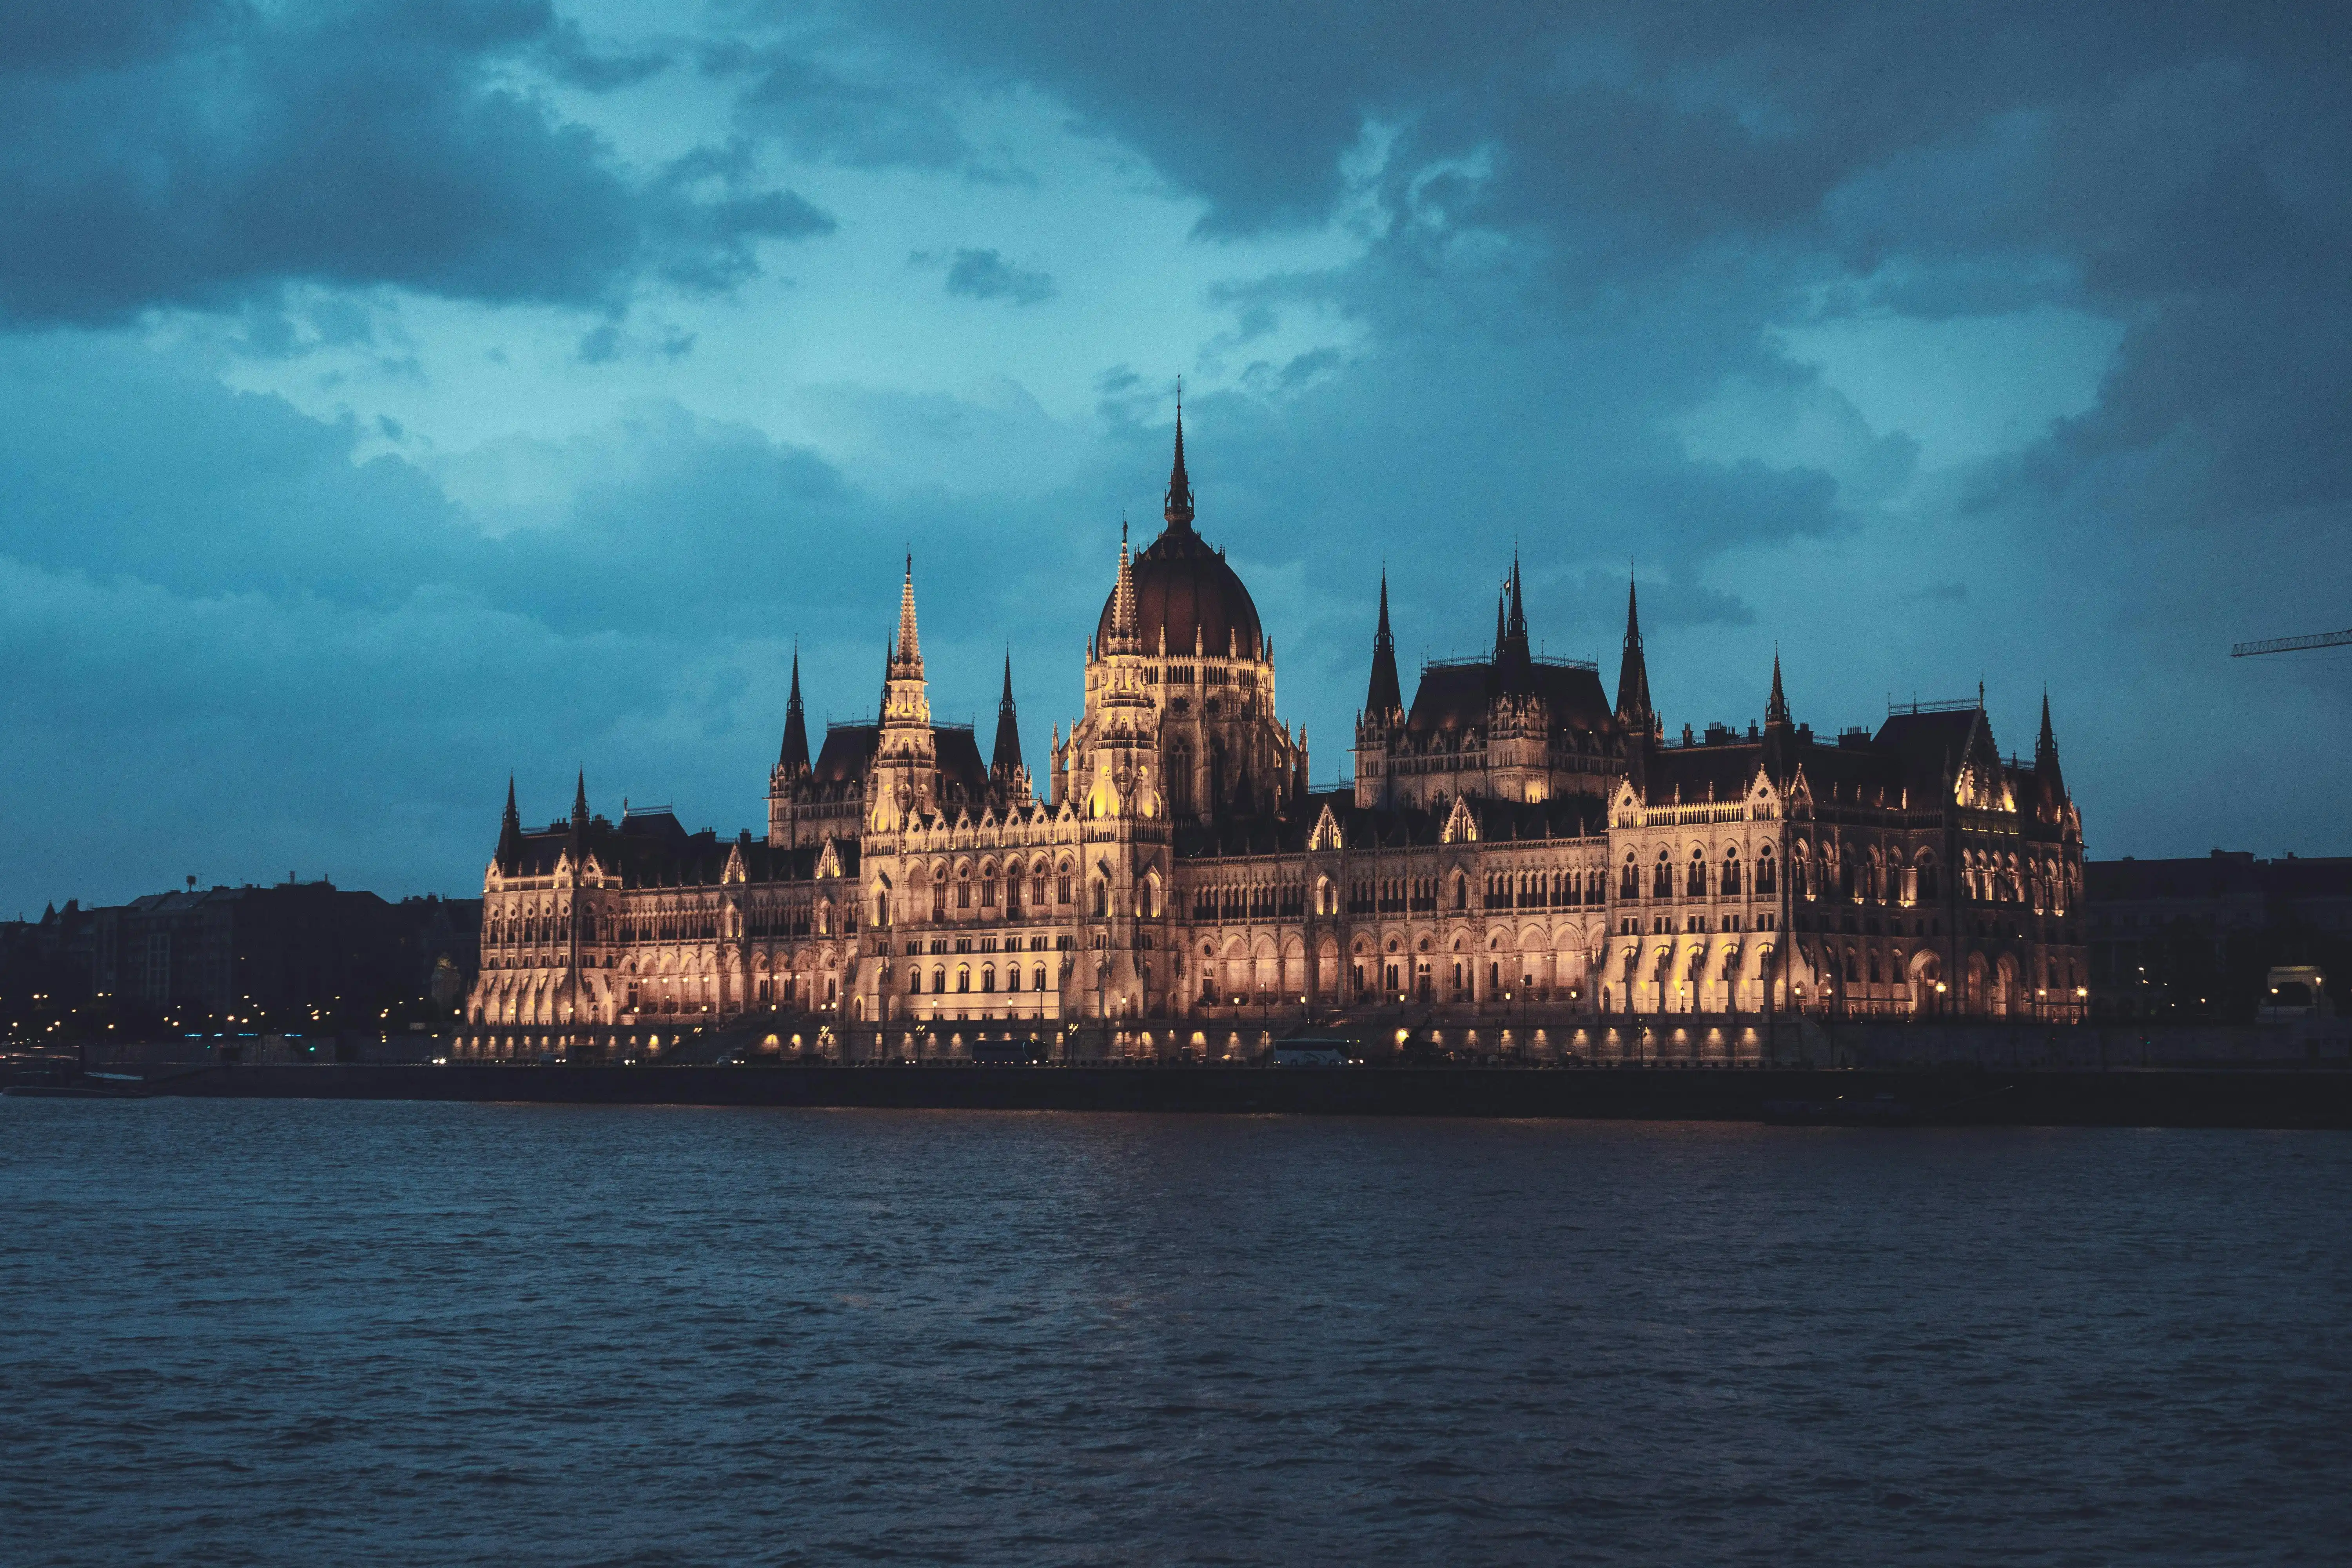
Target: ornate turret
[[1122, 635], [906, 752]]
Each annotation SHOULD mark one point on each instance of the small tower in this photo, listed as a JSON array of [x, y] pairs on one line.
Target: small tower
[[1635, 718], [905, 750]]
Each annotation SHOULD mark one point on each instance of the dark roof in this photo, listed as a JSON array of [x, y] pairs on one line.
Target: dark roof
[[963, 776], [1181, 586], [653, 849], [1453, 695], [1365, 828]]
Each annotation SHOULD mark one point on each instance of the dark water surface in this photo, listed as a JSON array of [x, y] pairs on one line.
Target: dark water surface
[[318, 1333]]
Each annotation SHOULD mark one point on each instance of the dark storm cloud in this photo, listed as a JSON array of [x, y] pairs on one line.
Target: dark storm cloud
[[211, 153], [985, 275]]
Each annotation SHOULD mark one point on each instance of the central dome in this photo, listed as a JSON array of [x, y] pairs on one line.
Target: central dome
[[1184, 589], [1184, 592]]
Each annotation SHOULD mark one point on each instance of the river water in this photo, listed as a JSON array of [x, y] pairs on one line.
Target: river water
[[293, 1332]]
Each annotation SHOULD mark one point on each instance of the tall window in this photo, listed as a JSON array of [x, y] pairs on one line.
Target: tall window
[[1696, 883], [1662, 882]]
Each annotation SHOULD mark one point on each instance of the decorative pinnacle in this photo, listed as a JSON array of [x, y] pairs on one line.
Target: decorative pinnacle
[[1179, 511], [909, 654], [1776, 712]]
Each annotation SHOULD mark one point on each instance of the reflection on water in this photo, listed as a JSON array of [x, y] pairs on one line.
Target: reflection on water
[[318, 1333]]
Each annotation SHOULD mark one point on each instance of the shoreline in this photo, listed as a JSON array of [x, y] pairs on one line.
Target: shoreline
[[2241, 1097]]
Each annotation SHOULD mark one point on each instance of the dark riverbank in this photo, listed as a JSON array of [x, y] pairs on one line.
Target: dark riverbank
[[2321, 1098]]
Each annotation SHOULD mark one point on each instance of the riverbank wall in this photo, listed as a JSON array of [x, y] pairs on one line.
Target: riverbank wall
[[2120, 1096]]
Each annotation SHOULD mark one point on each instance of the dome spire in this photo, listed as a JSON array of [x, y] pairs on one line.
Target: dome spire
[[1179, 511]]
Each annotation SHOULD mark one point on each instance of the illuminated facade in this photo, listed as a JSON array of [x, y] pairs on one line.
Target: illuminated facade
[[1520, 865]]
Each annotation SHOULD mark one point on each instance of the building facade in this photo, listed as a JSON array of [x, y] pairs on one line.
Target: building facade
[[1521, 866]]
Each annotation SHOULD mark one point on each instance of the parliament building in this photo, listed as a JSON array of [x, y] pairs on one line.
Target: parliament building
[[1522, 868]]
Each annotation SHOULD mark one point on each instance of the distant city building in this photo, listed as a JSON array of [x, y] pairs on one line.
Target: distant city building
[[1518, 859], [217, 950], [2198, 938]]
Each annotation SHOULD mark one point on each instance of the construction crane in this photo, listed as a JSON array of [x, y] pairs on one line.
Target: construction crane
[[2290, 644]]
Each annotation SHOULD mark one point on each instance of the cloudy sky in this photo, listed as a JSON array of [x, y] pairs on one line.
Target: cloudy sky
[[394, 394]]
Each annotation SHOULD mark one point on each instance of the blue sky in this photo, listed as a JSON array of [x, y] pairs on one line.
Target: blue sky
[[395, 394]]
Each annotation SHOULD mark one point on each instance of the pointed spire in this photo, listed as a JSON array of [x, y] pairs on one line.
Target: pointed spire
[[1007, 759], [1123, 636], [1519, 624], [509, 852], [909, 654], [1502, 609], [795, 752], [580, 800], [2045, 746], [1633, 710], [1384, 696], [1776, 709], [1179, 511]]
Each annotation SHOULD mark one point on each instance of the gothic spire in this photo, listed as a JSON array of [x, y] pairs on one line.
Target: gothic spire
[[509, 853], [2045, 746], [1384, 696], [1179, 511], [908, 658], [1124, 636], [1633, 710], [1502, 609], [580, 802], [1519, 623], [1008, 732], [795, 752], [1776, 711]]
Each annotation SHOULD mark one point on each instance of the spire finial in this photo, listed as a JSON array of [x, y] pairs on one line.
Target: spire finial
[[1776, 711]]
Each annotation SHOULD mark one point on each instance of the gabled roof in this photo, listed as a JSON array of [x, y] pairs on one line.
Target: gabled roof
[[1455, 696]]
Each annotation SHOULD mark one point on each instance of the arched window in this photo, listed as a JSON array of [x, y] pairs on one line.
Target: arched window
[[1696, 882], [963, 889], [987, 977], [1101, 897], [1012, 977], [1037, 978], [963, 977], [939, 900], [938, 979], [1062, 887], [1731, 871], [1764, 871], [1926, 880], [1662, 884], [1628, 884], [1461, 891]]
